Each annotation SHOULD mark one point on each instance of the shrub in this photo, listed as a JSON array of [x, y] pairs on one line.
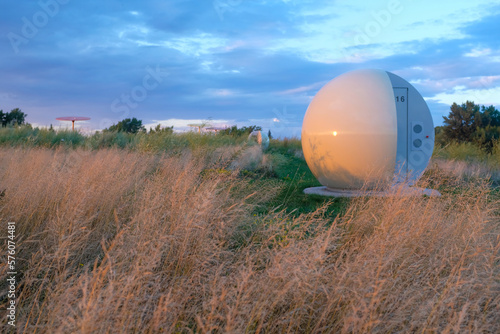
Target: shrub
[[470, 122], [461, 151]]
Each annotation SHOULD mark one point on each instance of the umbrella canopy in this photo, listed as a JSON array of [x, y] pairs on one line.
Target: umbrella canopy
[[73, 119]]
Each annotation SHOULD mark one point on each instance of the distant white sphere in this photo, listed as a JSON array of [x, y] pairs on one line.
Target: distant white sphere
[[367, 128], [261, 137]]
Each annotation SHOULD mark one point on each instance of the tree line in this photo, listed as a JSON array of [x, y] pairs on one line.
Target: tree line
[[134, 125], [466, 122], [12, 118], [470, 122]]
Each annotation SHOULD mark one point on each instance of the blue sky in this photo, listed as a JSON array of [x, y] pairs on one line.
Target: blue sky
[[235, 61]]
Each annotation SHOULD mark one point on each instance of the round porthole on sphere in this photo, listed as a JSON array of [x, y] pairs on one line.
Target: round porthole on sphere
[[361, 128]]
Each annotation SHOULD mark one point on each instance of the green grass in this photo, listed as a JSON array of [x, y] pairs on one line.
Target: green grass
[[293, 175], [289, 170], [285, 166], [156, 242], [26, 136], [461, 151], [468, 152]]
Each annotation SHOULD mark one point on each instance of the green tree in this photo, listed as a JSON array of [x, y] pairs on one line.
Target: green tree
[[128, 125], [470, 122], [159, 129], [486, 136], [490, 115], [234, 131], [14, 117], [17, 117], [460, 123]]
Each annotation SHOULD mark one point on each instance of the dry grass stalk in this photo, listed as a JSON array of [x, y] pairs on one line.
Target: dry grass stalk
[[118, 242]]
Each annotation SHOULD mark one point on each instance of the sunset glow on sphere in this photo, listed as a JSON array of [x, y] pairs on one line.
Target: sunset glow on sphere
[[358, 131]]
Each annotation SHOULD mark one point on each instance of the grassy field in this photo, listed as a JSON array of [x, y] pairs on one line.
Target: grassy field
[[203, 234]]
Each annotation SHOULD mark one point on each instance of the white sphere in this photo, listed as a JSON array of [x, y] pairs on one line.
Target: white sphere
[[358, 131], [261, 137]]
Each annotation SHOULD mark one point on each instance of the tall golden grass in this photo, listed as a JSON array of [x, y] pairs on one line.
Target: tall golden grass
[[122, 242]]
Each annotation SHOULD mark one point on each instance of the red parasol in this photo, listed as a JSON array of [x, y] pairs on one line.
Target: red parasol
[[73, 119]]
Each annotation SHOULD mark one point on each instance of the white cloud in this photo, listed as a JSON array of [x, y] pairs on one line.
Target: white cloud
[[478, 53], [485, 54], [302, 89], [223, 92], [480, 83], [460, 94], [182, 125], [133, 29], [196, 45], [357, 32]]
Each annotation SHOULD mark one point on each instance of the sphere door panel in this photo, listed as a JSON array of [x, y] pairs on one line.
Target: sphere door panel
[[419, 139], [401, 99]]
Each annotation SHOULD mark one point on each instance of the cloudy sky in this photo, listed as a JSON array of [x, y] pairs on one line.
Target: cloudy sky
[[236, 61]]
